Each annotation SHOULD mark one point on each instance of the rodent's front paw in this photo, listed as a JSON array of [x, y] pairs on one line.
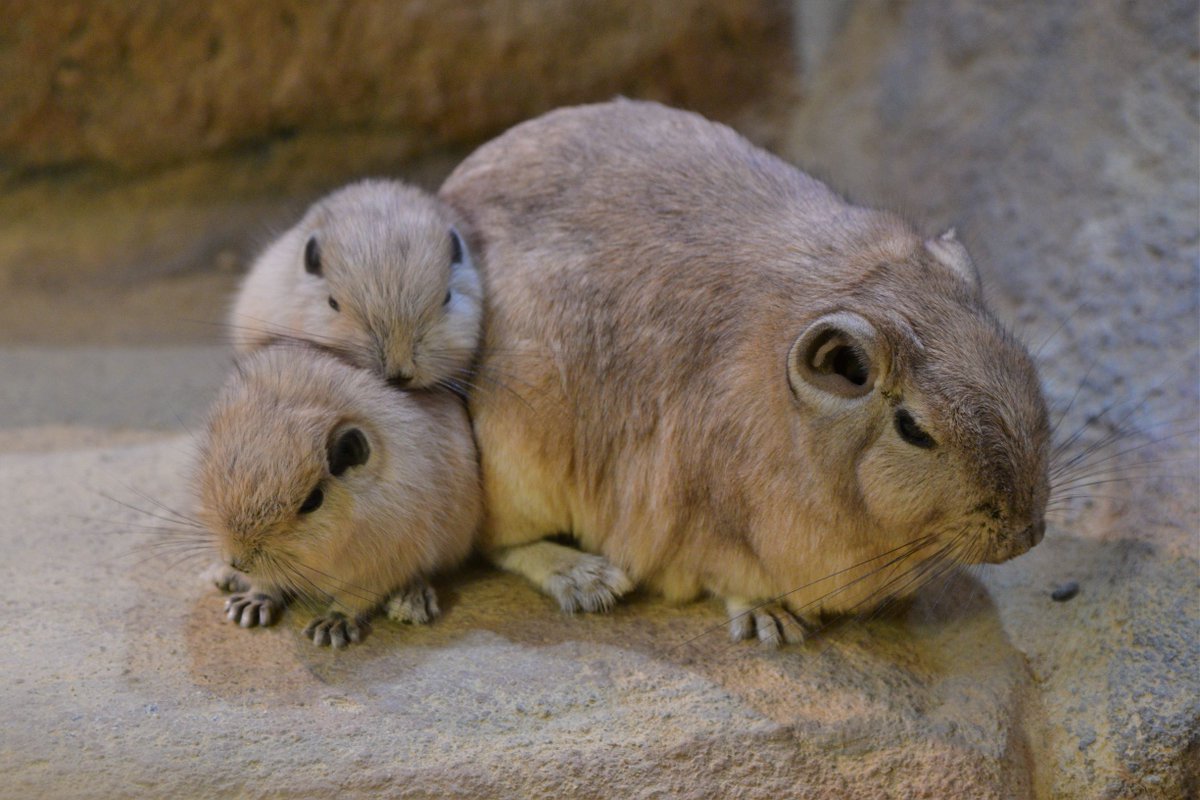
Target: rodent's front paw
[[415, 604], [226, 578], [248, 609], [770, 623], [589, 583], [336, 629]]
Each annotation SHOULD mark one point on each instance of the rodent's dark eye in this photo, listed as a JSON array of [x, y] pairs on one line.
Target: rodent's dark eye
[[312, 257], [313, 501], [334, 304], [446, 302], [911, 432]]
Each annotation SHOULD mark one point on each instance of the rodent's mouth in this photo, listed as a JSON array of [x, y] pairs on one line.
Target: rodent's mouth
[[1011, 545]]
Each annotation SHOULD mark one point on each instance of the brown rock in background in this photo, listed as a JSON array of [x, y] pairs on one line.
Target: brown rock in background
[[138, 85], [141, 140]]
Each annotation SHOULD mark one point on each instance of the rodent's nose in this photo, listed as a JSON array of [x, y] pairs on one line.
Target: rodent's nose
[[238, 564], [1035, 532], [401, 379]]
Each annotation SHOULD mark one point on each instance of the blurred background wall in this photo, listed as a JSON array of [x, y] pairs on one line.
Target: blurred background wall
[[148, 149], [160, 138]]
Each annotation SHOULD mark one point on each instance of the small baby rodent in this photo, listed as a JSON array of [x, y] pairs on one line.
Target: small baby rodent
[[733, 381], [376, 271], [320, 480]]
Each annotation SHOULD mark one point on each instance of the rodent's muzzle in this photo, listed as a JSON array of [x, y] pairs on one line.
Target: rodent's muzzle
[[1020, 542]]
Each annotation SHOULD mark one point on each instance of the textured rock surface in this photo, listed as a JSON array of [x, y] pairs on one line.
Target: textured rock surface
[[119, 679], [1063, 143], [1062, 140]]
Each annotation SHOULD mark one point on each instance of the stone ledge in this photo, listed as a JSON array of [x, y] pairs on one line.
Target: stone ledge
[[120, 679]]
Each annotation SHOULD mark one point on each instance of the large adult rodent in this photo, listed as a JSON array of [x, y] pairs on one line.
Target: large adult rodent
[[320, 480], [376, 271], [732, 381]]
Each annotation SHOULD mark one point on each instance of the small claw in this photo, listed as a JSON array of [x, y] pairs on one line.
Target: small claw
[[772, 624], [338, 635], [768, 629], [796, 630], [334, 629], [250, 610], [313, 630], [741, 626], [234, 606], [415, 604]]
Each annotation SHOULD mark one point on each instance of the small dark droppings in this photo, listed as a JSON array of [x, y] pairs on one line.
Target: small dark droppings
[[1065, 592]]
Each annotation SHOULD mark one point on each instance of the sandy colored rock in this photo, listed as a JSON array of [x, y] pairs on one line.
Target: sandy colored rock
[[121, 679], [138, 85]]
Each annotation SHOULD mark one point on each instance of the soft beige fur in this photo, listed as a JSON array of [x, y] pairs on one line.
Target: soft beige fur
[[385, 251], [410, 509], [663, 304]]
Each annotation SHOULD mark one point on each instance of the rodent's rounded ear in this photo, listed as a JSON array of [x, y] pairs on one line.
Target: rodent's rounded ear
[[312, 257], [840, 354], [458, 248], [949, 252], [348, 448]]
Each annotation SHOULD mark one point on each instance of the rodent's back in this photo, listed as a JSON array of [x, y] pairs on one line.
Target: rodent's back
[[694, 234]]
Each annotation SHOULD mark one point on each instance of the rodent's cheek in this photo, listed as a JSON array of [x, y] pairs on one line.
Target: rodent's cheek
[[350, 336], [446, 349], [906, 489]]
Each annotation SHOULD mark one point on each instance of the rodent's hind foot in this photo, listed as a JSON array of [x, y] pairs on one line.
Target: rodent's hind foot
[[771, 623], [415, 604], [250, 608], [578, 581], [336, 629], [226, 578]]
